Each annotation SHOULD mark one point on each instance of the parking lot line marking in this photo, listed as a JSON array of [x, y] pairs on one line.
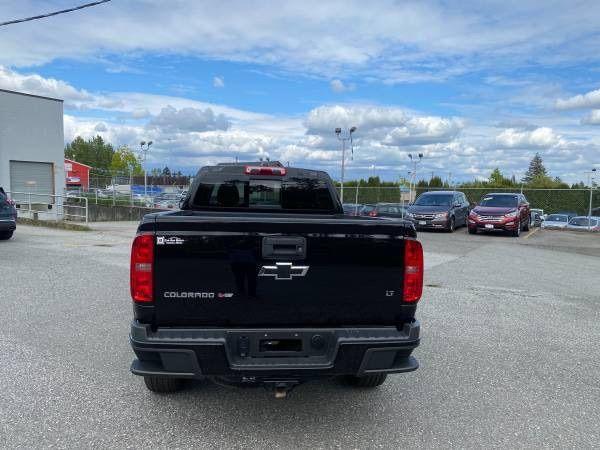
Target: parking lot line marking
[[531, 233]]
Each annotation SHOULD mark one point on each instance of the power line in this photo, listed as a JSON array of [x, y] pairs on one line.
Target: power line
[[55, 13]]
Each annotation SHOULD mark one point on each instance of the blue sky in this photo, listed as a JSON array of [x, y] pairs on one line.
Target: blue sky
[[472, 85]]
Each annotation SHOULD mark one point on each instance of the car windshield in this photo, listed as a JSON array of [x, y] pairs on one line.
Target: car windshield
[[434, 200], [581, 221], [500, 201], [557, 218], [367, 209]]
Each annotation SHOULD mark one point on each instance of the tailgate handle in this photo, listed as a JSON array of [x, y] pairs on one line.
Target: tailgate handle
[[284, 247]]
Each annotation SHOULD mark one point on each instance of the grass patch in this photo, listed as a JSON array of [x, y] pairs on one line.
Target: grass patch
[[53, 224]]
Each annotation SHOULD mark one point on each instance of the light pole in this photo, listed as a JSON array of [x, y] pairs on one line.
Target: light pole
[[592, 173], [415, 162], [344, 137], [145, 153]]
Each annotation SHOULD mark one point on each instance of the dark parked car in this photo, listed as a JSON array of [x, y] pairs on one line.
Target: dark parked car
[[392, 210], [439, 210], [501, 212], [8, 216], [352, 209], [260, 280]]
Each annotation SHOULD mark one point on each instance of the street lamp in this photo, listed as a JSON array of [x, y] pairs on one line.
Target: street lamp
[[145, 153], [347, 136], [592, 173], [414, 161]]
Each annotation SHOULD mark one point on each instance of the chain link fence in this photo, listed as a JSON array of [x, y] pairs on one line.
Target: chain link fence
[[550, 200]]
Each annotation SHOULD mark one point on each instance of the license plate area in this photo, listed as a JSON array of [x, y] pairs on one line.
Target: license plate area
[[251, 345], [422, 222], [279, 345], [489, 225]]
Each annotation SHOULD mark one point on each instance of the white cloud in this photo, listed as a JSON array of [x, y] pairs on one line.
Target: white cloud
[[140, 113], [35, 84], [389, 126], [188, 120], [324, 119], [542, 137], [218, 82], [339, 86], [588, 100], [392, 41], [593, 118], [189, 133], [100, 127], [424, 130]]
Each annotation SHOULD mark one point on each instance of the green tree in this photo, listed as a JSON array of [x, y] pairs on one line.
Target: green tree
[[497, 179], [536, 170], [125, 161], [93, 152], [436, 181]]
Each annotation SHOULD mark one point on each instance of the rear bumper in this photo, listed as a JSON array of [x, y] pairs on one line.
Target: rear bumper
[[7, 225], [236, 354]]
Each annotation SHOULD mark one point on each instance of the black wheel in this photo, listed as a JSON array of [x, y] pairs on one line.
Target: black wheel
[[526, 226], [472, 230], [163, 385], [517, 231], [451, 224], [367, 381], [5, 235]]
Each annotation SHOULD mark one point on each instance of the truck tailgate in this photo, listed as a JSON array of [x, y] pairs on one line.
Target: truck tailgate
[[254, 271]]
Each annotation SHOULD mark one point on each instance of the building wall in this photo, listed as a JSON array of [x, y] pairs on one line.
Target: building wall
[[31, 129], [78, 170]]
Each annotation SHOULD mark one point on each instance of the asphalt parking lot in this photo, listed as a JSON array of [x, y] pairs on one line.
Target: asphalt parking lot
[[509, 356]]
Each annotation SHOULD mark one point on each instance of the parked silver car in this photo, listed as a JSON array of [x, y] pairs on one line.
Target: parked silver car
[[584, 223], [555, 222]]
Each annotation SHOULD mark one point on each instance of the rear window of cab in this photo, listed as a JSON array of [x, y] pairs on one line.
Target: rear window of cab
[[261, 194]]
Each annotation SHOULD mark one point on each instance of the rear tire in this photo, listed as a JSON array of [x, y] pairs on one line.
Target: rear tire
[[526, 227], [367, 381], [5, 235], [163, 385]]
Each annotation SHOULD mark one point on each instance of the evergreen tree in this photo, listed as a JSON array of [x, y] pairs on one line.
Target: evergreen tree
[[436, 181], [536, 170]]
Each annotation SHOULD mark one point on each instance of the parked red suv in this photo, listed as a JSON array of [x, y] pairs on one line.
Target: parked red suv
[[500, 212]]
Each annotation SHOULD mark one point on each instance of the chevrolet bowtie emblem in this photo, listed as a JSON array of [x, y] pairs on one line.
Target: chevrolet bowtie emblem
[[283, 271]]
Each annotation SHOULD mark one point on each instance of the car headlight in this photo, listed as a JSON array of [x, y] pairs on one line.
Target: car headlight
[[441, 215], [411, 215], [511, 214]]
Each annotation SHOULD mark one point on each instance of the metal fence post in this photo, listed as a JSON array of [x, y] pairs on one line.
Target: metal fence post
[[86, 209]]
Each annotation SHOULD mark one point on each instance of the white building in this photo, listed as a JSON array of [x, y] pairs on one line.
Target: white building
[[31, 147]]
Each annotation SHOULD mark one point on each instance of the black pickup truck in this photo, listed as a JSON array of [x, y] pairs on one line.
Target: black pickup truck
[[260, 279]]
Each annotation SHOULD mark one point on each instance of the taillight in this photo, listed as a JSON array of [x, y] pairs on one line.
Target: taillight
[[373, 213], [141, 270], [259, 170], [413, 271]]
